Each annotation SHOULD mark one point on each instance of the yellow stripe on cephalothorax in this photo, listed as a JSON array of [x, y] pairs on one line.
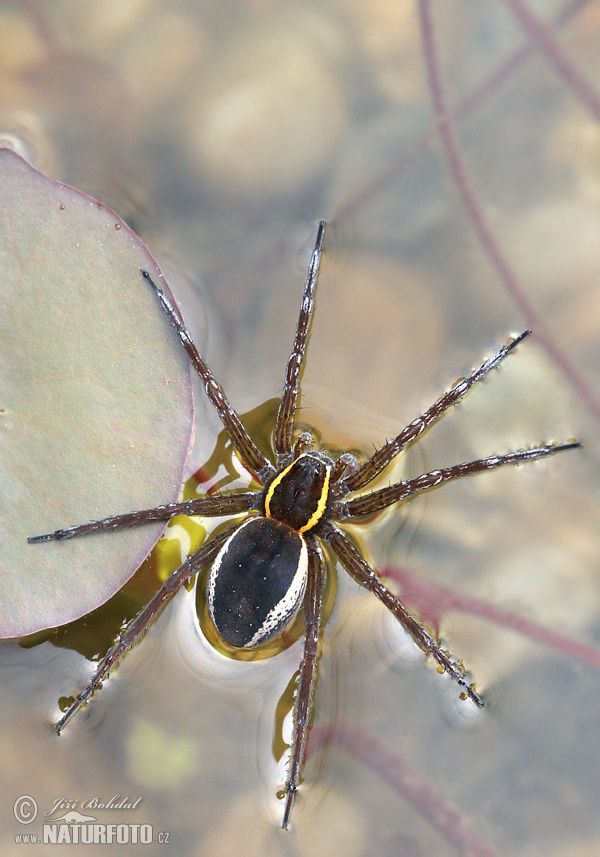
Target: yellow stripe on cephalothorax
[[313, 520], [272, 488]]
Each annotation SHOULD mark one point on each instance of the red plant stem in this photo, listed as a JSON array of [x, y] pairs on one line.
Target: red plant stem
[[479, 222], [426, 596], [447, 819], [382, 182], [542, 36]]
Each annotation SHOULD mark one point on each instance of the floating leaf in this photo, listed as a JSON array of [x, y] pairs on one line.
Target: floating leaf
[[96, 411]]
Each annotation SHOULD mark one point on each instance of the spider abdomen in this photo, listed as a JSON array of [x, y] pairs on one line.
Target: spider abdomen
[[299, 495], [257, 582]]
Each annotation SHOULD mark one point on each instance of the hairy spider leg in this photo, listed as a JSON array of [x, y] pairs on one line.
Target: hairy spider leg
[[384, 455], [359, 568], [251, 455], [313, 605], [140, 623], [246, 447], [374, 501], [244, 444], [289, 399], [232, 504]]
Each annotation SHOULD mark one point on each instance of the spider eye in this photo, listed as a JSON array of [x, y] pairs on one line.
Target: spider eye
[[257, 582]]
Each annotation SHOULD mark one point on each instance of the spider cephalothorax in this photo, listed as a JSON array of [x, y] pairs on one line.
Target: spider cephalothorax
[[266, 567]]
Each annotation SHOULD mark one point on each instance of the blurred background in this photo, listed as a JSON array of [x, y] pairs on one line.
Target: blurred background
[[455, 152]]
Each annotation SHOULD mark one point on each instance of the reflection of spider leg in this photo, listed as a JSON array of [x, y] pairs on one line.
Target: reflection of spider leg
[[139, 625], [376, 500], [308, 674], [425, 640], [250, 453], [232, 504], [382, 457], [289, 399]]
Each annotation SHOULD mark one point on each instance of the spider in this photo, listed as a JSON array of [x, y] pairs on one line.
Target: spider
[[266, 567]]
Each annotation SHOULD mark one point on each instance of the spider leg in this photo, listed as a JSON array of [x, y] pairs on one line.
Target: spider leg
[[231, 504], [289, 399], [358, 568], [382, 457], [250, 453], [308, 674], [139, 625], [374, 501]]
